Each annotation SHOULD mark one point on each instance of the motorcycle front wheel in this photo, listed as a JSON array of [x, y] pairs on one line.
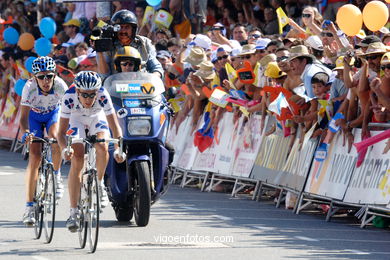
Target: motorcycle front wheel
[[142, 193]]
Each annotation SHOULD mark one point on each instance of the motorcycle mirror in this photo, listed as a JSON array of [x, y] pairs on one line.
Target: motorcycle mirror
[[172, 92]]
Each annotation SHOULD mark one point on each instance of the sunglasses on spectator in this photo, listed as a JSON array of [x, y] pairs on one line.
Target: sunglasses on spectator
[[306, 15], [280, 59], [246, 57], [260, 51], [326, 34], [47, 76], [223, 57], [387, 66], [255, 36], [373, 57], [86, 95], [127, 63]]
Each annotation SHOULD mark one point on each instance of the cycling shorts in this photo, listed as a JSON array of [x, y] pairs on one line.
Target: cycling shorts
[[38, 122]]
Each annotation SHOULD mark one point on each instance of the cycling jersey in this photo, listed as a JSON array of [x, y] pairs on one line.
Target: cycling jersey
[[92, 119], [33, 97], [71, 105]]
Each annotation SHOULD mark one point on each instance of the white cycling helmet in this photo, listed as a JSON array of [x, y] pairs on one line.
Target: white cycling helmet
[[87, 80], [42, 64]]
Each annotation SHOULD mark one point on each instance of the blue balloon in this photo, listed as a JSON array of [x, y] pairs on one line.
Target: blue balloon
[[153, 2], [11, 35], [48, 27], [28, 64], [34, 1], [19, 85], [42, 46]]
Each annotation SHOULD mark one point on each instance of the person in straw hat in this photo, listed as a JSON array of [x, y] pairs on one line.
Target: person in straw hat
[[304, 64]]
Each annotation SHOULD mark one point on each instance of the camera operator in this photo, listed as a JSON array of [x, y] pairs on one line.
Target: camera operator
[[126, 36]]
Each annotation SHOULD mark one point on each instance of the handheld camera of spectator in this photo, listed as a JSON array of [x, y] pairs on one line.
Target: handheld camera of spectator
[[104, 37]]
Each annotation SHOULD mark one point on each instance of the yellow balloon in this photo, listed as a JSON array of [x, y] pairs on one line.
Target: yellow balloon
[[26, 41], [388, 1], [375, 15], [349, 19]]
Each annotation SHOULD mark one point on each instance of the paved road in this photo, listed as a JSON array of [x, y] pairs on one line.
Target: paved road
[[188, 224]]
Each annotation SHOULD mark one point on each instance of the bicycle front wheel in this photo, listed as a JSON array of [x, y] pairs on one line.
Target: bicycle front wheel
[[38, 199], [93, 211], [83, 201], [49, 204]]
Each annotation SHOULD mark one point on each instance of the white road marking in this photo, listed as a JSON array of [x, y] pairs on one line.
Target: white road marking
[[357, 252], [264, 228], [221, 217], [148, 245], [307, 238], [7, 173], [189, 208], [39, 257]]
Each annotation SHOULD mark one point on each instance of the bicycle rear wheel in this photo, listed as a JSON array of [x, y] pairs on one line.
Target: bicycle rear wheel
[[38, 199], [83, 200], [49, 204], [93, 211]]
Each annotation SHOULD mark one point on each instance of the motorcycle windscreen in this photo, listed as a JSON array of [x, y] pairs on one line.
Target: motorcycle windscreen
[[137, 85]]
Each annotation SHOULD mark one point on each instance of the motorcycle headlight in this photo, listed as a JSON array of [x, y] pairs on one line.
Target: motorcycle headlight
[[140, 125]]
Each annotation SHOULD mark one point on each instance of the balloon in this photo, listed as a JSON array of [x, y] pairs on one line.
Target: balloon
[[42, 46], [19, 85], [28, 64], [34, 1], [153, 2], [11, 35], [48, 27], [375, 15], [349, 19], [388, 1], [26, 41]]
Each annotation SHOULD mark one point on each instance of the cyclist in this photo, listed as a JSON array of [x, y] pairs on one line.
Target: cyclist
[[86, 108], [40, 108]]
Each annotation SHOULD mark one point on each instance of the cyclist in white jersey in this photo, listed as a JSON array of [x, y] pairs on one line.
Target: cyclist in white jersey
[[86, 106], [40, 105]]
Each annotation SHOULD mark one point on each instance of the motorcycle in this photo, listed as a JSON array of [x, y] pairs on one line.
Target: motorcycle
[[144, 116]]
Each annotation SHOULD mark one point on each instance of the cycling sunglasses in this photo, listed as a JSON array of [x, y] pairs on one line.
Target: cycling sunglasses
[[373, 57], [223, 57], [47, 76], [86, 95], [280, 59], [127, 63], [326, 34], [387, 66]]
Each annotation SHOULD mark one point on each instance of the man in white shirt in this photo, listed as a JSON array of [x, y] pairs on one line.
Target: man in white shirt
[[71, 29]]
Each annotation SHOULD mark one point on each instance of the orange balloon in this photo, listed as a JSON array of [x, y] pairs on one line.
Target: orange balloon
[[375, 15], [388, 1], [26, 41], [349, 19]]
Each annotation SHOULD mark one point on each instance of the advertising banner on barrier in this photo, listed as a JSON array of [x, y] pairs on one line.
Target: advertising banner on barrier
[[177, 138], [271, 158], [9, 116], [228, 140], [249, 142], [186, 158], [296, 168], [370, 183], [330, 177]]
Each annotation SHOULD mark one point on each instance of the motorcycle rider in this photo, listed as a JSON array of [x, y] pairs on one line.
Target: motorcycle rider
[[127, 36]]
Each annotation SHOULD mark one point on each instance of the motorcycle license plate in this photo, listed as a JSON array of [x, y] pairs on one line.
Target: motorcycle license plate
[[138, 111]]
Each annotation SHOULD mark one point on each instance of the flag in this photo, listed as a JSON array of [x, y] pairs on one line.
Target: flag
[[231, 72], [279, 103], [282, 19], [23, 73], [148, 15]]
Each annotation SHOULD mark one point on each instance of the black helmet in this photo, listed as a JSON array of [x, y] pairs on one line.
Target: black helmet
[[124, 17]]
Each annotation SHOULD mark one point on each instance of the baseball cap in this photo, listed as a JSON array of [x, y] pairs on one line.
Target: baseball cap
[[74, 22], [262, 43], [368, 40], [315, 42], [163, 54], [202, 41]]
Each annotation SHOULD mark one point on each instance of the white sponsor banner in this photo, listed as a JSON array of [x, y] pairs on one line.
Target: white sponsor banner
[[228, 140], [178, 138], [248, 146], [370, 183], [330, 177]]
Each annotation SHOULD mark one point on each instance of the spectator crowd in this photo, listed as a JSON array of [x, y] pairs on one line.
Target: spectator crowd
[[303, 76]]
